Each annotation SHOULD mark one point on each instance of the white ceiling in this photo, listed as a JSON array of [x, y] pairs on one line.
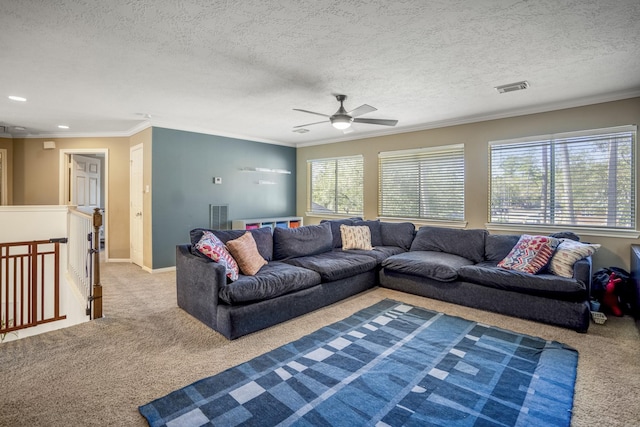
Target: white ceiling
[[239, 67]]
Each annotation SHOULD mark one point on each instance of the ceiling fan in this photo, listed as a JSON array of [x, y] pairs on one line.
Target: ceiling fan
[[342, 119]]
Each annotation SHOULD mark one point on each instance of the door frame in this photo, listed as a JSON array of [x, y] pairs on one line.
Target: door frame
[[131, 192], [64, 180], [3, 179]]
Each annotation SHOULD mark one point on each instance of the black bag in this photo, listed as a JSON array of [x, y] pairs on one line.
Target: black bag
[[624, 289]]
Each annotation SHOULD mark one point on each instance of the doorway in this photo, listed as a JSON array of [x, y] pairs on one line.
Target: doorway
[[84, 183]]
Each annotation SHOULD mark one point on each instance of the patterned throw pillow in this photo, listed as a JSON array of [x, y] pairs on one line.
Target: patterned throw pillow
[[245, 251], [568, 253], [531, 254], [213, 247], [356, 237]]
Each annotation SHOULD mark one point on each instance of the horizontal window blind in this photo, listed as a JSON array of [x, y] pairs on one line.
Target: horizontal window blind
[[578, 179], [423, 184], [337, 185]]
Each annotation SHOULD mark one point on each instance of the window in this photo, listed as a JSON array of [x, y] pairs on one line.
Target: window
[[422, 184], [337, 185], [577, 179]]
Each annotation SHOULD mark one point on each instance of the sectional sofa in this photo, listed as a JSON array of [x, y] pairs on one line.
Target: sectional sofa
[[307, 268]]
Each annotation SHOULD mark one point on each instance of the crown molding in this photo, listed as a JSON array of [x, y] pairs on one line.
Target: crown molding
[[206, 131], [543, 108]]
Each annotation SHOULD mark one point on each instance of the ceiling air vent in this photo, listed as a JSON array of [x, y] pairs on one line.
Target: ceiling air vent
[[511, 87]]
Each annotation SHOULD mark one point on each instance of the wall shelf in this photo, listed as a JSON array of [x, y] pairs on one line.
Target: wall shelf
[[281, 222]]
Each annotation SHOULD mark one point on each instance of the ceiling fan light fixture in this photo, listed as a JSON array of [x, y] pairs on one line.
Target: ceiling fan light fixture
[[341, 122]]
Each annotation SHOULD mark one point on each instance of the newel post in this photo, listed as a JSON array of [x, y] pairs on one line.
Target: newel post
[[97, 287]]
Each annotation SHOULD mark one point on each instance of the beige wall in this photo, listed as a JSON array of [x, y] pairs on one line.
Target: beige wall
[[36, 174], [7, 144], [475, 136]]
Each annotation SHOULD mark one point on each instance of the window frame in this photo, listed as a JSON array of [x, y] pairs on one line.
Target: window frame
[[310, 201], [603, 231], [455, 150]]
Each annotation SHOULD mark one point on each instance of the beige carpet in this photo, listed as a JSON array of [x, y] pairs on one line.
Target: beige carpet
[[98, 373]]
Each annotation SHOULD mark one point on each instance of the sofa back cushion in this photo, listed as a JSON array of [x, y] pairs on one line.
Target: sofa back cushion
[[398, 234], [262, 236], [335, 228], [498, 246], [468, 244], [302, 241], [374, 229]]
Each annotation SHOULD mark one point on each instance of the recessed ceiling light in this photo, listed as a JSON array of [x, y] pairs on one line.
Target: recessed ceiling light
[[63, 127], [17, 98]]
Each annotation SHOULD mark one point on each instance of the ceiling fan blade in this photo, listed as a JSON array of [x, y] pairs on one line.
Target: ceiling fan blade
[[363, 109], [309, 124], [377, 122], [311, 112]]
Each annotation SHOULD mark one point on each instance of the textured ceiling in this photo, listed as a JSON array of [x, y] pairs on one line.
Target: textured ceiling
[[238, 68]]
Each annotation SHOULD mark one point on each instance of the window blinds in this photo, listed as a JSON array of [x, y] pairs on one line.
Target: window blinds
[[337, 185], [423, 184], [579, 179]]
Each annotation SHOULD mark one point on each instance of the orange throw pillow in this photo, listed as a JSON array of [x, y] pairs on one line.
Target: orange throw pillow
[[245, 251]]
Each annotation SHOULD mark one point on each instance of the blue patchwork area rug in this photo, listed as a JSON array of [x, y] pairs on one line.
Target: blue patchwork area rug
[[391, 364]]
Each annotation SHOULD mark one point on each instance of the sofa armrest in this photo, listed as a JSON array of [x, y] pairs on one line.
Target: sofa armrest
[[198, 281], [582, 273]]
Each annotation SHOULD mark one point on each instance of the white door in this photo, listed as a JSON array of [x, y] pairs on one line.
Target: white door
[[85, 182], [135, 212]]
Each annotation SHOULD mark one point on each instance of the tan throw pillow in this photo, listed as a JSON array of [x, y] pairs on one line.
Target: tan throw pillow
[[356, 237], [245, 252], [568, 253]]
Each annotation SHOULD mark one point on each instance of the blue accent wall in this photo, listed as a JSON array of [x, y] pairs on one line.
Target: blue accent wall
[[183, 167]]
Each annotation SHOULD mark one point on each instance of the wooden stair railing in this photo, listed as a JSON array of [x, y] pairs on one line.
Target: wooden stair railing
[[29, 284]]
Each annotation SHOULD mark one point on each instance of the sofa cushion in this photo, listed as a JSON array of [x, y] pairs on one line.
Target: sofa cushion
[[355, 237], [212, 247], [398, 234], [465, 243], [245, 252], [274, 279], [335, 228], [567, 254], [546, 285], [374, 228], [531, 254], [498, 246], [431, 264], [379, 253], [302, 241], [262, 236], [335, 265]]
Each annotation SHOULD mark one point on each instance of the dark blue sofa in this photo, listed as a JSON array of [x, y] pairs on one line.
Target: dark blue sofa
[[307, 269]]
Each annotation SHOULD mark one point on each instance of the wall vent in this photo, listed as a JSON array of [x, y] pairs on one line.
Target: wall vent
[[511, 87], [219, 217]]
